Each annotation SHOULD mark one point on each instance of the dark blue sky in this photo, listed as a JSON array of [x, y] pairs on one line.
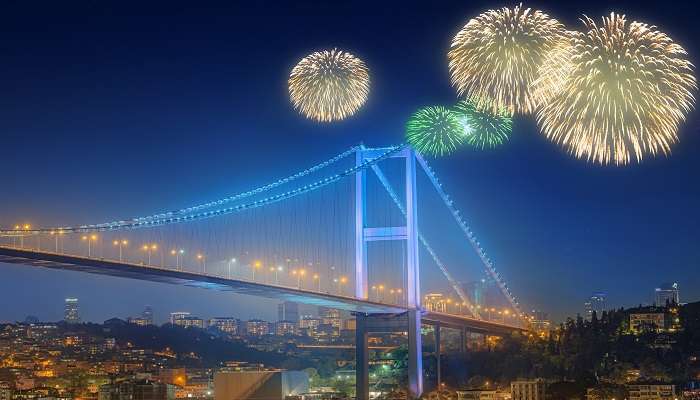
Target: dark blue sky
[[115, 109]]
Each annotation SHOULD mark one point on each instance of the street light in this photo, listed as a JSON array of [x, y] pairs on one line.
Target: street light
[[149, 249], [202, 260], [231, 261], [120, 244], [318, 278], [256, 265], [343, 281], [21, 237], [177, 253], [302, 272], [89, 240], [277, 271]]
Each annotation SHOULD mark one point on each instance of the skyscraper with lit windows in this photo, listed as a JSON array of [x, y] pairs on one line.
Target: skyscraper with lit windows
[[70, 312], [594, 303]]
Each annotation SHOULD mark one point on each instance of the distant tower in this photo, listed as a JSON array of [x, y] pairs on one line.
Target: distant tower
[[70, 313], [147, 315], [667, 293], [597, 303], [288, 311]]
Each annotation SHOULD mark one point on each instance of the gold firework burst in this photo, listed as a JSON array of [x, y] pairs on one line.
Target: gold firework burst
[[554, 70], [329, 85], [497, 55], [623, 95]]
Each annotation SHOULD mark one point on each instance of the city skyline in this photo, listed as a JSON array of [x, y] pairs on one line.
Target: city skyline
[[547, 199]]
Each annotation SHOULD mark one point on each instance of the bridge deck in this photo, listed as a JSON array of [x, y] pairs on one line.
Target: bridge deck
[[51, 260]]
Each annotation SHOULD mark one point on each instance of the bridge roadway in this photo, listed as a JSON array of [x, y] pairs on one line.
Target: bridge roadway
[[66, 262]]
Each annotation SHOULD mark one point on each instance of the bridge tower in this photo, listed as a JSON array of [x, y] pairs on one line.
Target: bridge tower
[[408, 233]]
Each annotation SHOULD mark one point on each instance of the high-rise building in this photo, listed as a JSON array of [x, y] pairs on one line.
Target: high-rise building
[[70, 313], [667, 293], [288, 311], [225, 324], [147, 315], [594, 303]]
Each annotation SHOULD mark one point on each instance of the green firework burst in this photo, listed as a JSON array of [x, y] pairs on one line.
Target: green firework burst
[[482, 127], [435, 130]]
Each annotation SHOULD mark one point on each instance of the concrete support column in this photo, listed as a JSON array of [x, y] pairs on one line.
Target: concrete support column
[[361, 358], [462, 340], [438, 355], [415, 356]]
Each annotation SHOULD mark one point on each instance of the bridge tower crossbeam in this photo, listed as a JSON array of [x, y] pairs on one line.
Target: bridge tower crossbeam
[[408, 233]]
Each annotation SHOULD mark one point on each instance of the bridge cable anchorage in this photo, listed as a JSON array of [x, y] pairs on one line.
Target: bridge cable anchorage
[[488, 264], [113, 226], [455, 285]]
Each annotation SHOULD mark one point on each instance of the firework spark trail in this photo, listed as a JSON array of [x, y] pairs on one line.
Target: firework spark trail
[[482, 127], [497, 55], [329, 85], [435, 130], [628, 88]]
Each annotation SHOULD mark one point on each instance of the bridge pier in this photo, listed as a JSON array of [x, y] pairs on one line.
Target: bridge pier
[[438, 354], [415, 355], [386, 323], [361, 357]]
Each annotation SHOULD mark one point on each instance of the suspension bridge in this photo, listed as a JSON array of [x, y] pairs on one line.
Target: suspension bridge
[[334, 235]]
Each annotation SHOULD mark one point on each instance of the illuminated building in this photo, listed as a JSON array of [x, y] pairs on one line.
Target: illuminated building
[[70, 313], [652, 392], [190, 322], [435, 302], [178, 315], [476, 394], [173, 376], [284, 328], [540, 323], [527, 390], [331, 317], [147, 315], [288, 311], [257, 327], [350, 324], [595, 303], [667, 293], [225, 324], [309, 324], [140, 321], [649, 321], [136, 390]]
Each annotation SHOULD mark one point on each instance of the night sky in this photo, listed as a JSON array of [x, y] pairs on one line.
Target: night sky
[[110, 110]]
